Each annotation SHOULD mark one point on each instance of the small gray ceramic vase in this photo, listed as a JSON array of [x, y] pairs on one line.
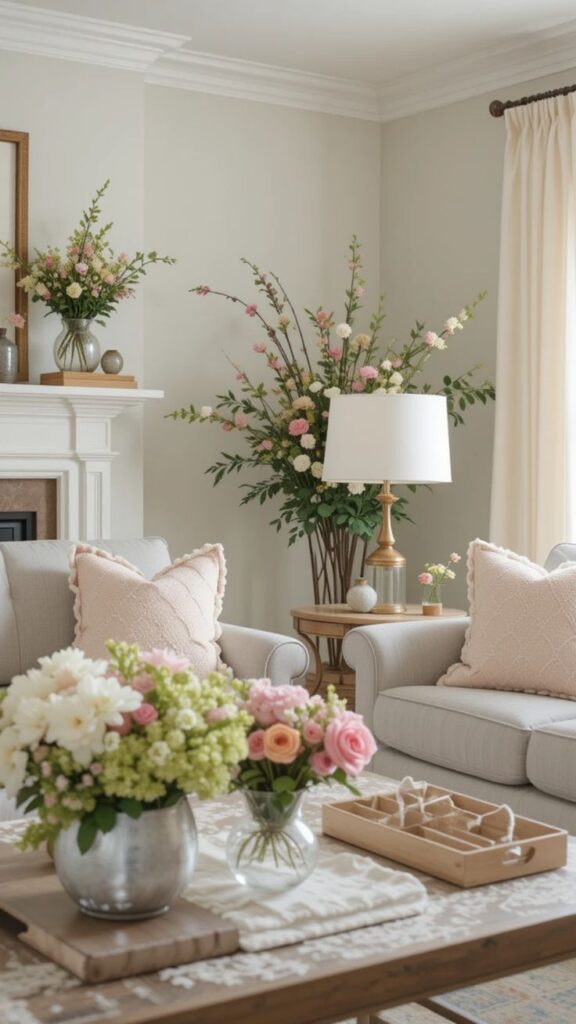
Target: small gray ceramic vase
[[8, 359], [112, 361]]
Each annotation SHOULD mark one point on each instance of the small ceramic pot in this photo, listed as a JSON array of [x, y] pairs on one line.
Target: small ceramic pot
[[112, 361], [361, 597], [8, 359]]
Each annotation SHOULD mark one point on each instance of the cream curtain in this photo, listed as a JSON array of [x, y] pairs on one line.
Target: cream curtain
[[534, 479]]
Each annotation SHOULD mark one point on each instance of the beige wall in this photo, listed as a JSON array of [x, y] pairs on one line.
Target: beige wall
[[441, 194], [286, 188], [86, 124]]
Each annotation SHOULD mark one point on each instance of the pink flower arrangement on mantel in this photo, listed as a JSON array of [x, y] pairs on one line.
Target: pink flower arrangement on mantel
[[298, 741]]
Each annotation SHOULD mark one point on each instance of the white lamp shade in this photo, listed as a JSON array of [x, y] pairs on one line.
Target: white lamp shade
[[399, 438]]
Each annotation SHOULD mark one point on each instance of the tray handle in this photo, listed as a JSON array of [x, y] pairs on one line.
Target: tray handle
[[519, 855]]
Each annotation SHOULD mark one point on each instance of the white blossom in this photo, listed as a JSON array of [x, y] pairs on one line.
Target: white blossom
[[332, 392], [308, 441], [301, 463], [205, 411], [356, 488], [317, 469], [315, 386], [343, 331]]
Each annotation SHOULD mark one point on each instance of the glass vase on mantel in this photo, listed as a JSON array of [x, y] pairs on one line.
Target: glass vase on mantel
[[272, 848], [76, 349], [433, 603]]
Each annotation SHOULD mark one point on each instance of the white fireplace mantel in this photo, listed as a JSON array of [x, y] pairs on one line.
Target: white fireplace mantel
[[65, 433]]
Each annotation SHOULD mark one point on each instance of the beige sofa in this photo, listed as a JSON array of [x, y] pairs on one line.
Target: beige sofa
[[517, 748], [36, 614]]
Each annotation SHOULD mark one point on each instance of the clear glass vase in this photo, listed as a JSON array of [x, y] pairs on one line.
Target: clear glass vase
[[76, 349], [272, 848], [433, 603]]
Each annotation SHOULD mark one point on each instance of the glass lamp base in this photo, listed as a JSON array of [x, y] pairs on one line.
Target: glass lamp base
[[389, 582]]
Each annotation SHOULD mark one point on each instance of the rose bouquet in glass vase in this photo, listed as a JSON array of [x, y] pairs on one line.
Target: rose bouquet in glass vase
[[434, 576], [295, 742], [82, 284], [282, 415], [104, 753]]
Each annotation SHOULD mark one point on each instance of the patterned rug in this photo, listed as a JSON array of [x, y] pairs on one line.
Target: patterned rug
[[543, 996]]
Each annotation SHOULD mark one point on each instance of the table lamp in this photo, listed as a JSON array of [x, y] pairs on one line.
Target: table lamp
[[385, 439]]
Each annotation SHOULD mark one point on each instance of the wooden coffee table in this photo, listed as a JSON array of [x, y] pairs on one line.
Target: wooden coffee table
[[465, 937]]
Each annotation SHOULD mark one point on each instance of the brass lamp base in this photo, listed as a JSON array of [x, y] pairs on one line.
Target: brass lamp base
[[385, 557]]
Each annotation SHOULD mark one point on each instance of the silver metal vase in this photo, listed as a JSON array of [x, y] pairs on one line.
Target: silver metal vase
[[134, 871]]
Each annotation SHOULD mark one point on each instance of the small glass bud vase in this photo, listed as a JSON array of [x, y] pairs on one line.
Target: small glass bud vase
[[361, 597], [76, 349], [433, 604], [272, 848]]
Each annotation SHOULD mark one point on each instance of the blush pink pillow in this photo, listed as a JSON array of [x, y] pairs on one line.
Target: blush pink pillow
[[522, 634], [177, 609]]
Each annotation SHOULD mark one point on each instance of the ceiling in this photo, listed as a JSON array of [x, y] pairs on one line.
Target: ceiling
[[370, 41]]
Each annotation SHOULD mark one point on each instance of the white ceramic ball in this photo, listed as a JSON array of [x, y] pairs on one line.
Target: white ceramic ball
[[361, 597]]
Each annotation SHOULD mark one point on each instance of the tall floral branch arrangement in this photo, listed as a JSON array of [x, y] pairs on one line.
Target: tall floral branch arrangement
[[284, 422]]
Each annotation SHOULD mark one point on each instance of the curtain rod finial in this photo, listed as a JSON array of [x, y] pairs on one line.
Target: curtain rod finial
[[497, 108]]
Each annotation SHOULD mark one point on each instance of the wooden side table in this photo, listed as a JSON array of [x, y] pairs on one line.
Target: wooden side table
[[331, 622]]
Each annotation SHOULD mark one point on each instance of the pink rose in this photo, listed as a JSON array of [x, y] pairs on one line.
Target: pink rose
[[335, 353], [241, 420], [251, 310], [313, 732], [165, 659], [368, 372], [358, 386], [298, 427], [145, 714], [264, 446], [425, 578], [81, 268], [15, 320], [260, 347], [322, 763], [349, 743], [143, 682], [269, 704], [123, 729], [256, 745], [322, 316]]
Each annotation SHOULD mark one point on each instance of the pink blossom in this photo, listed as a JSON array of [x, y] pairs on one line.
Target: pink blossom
[[15, 320], [313, 732], [87, 779], [322, 763], [62, 274], [227, 427], [260, 347], [74, 251], [349, 742], [96, 292], [203, 290], [61, 783], [123, 729], [256, 745], [110, 278], [49, 262], [368, 372], [335, 353], [164, 658], [430, 339], [46, 294], [322, 316], [96, 768], [396, 364], [143, 682], [81, 268], [298, 427], [264, 446], [275, 363], [145, 714], [358, 385], [268, 704], [240, 375], [426, 579], [123, 257], [454, 557], [251, 310], [46, 769], [88, 250], [49, 799], [217, 715], [241, 420], [359, 291]]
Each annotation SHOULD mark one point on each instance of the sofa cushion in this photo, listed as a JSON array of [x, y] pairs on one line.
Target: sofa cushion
[[551, 759], [36, 606], [479, 732]]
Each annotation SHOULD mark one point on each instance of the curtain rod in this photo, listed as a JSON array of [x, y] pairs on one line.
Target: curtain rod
[[497, 107]]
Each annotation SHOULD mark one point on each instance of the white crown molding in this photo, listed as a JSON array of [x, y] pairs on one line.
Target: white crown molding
[[545, 53], [164, 61], [248, 80], [48, 33]]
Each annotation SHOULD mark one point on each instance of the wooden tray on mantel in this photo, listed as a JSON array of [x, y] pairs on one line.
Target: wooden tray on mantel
[[79, 379], [97, 950]]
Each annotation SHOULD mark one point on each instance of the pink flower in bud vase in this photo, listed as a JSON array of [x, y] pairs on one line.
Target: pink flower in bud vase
[[15, 320], [335, 353], [256, 745], [322, 763], [123, 729], [241, 420], [312, 732], [145, 714], [203, 290], [368, 372], [426, 579], [454, 557], [251, 310], [260, 347], [358, 386], [298, 427], [164, 658]]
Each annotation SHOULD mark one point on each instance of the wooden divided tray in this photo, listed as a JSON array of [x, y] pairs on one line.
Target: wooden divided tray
[[448, 846], [97, 950]]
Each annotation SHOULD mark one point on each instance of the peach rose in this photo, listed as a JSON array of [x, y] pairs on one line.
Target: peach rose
[[349, 743], [281, 743]]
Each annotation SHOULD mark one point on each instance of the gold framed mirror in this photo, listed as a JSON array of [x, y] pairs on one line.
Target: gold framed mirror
[[14, 230]]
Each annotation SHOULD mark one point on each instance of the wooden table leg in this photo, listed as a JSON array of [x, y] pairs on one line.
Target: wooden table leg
[[318, 663]]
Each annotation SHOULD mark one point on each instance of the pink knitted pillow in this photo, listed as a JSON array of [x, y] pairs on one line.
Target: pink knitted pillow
[[177, 609], [522, 634]]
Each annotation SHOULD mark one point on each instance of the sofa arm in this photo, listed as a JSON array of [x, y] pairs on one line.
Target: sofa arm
[[254, 654], [400, 654]]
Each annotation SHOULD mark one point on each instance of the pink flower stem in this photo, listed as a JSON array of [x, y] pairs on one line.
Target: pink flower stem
[[269, 329], [296, 320]]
